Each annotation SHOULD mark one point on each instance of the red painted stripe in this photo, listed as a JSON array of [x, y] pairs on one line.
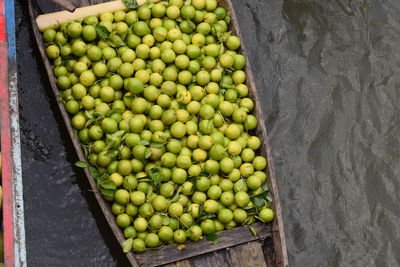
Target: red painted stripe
[[6, 145], [3, 32]]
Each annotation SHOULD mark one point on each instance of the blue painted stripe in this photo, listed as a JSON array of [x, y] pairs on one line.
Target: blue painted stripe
[[10, 19]]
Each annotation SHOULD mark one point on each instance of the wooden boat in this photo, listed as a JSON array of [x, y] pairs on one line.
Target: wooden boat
[[236, 247]]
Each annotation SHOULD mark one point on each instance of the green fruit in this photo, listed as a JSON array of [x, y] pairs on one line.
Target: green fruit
[[195, 233], [141, 28], [49, 35], [155, 222], [186, 220], [165, 233], [242, 199], [178, 129], [140, 224], [207, 226], [121, 196], [137, 198], [159, 203], [146, 210], [259, 163], [266, 215], [175, 209], [167, 190], [74, 29], [226, 165], [123, 220], [217, 152], [138, 245], [210, 206], [180, 236], [214, 192]]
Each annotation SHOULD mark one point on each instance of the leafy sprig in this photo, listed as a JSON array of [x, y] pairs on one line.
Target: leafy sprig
[[133, 4]]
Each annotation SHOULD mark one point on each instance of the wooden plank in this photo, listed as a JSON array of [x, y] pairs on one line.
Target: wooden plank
[[269, 252], [182, 263], [229, 238], [216, 258], [248, 254]]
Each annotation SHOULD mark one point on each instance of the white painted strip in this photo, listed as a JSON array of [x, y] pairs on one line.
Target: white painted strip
[[19, 219]]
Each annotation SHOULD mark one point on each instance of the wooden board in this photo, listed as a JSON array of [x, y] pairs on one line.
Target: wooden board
[[248, 254], [278, 253], [235, 236]]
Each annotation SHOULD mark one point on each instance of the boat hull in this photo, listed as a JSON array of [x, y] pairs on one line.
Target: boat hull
[[273, 251]]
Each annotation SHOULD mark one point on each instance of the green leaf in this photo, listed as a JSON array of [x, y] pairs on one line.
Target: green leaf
[[108, 192], [149, 4], [113, 140], [116, 40], [191, 24], [143, 142], [102, 177], [207, 216], [201, 210], [265, 187], [119, 133], [156, 175], [85, 150], [223, 37], [98, 114], [102, 32], [253, 230], [213, 237], [176, 197], [81, 164], [112, 153], [144, 179], [147, 154], [127, 245], [108, 185], [131, 3], [114, 110], [89, 114], [228, 18], [248, 208], [130, 97], [156, 144], [268, 197], [123, 36], [93, 172], [259, 202], [89, 122]]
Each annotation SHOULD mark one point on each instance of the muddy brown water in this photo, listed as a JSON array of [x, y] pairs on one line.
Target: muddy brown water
[[328, 77]]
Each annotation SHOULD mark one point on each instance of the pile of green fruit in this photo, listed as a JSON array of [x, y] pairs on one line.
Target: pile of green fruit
[[158, 99]]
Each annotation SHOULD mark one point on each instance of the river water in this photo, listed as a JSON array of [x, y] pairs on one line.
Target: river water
[[328, 77]]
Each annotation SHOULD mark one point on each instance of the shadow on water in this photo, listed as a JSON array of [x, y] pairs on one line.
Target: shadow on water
[[64, 225], [327, 76]]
